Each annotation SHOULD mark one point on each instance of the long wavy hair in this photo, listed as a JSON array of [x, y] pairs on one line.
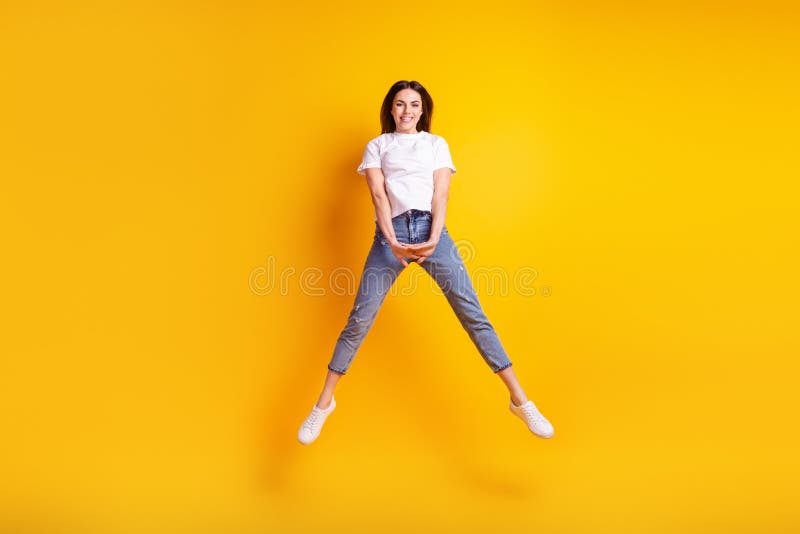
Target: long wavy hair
[[387, 120]]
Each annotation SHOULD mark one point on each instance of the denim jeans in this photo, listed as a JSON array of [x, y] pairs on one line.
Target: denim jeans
[[446, 267]]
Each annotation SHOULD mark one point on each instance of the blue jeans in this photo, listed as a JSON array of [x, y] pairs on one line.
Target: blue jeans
[[446, 267]]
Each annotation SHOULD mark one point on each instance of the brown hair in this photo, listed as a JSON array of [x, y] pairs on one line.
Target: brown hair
[[387, 120]]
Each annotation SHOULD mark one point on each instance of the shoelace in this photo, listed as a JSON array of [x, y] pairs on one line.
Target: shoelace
[[534, 414], [312, 419]]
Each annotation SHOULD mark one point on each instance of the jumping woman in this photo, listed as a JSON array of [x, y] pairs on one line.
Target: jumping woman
[[408, 172]]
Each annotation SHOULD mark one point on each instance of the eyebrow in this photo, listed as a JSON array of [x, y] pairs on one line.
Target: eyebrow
[[413, 101]]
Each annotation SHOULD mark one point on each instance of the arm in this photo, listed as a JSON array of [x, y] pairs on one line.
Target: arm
[[441, 192], [383, 210], [383, 213]]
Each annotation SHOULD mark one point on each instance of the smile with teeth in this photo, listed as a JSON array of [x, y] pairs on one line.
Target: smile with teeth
[[406, 119]]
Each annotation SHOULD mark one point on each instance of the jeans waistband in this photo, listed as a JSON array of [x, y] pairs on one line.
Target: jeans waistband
[[414, 214]]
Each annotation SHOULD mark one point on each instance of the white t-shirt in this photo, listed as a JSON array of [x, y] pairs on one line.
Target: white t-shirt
[[408, 162]]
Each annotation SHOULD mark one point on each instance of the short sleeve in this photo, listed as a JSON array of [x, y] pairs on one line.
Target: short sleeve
[[441, 155], [371, 157]]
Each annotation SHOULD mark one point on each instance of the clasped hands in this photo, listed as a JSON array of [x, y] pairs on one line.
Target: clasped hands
[[417, 252]]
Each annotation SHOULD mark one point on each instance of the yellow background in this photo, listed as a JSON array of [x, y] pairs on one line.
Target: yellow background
[[641, 157]]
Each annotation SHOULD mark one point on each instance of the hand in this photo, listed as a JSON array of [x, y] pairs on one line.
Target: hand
[[402, 251], [423, 250]]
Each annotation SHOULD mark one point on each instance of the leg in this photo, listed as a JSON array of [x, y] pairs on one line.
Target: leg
[[331, 379], [447, 269], [515, 390], [381, 269]]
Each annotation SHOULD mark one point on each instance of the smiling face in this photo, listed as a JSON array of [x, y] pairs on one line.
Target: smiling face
[[406, 110]]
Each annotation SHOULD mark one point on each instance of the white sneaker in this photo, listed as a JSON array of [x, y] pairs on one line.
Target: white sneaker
[[536, 421], [312, 426]]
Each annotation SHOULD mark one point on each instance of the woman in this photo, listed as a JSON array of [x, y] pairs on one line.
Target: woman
[[408, 171]]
